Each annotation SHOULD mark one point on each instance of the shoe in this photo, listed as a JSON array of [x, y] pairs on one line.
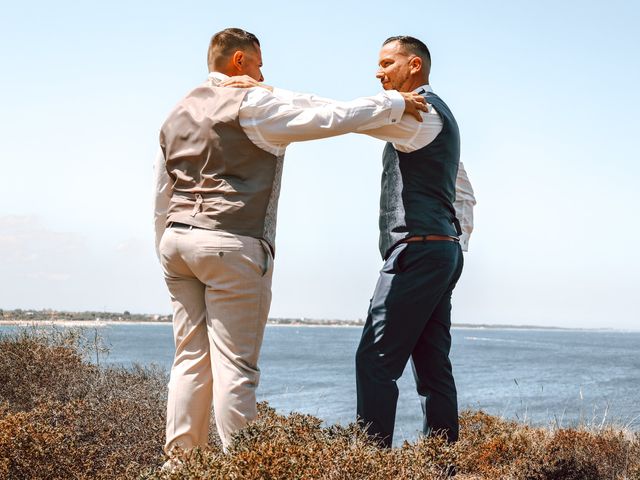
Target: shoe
[[450, 471], [171, 466]]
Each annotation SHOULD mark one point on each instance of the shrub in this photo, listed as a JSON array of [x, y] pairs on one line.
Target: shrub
[[62, 417]]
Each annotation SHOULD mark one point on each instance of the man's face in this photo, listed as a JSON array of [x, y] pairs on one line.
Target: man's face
[[394, 67], [252, 63]]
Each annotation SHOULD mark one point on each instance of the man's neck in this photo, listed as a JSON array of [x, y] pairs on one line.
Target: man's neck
[[414, 83]]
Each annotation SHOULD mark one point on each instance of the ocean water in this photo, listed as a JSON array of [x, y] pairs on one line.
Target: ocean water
[[558, 377]]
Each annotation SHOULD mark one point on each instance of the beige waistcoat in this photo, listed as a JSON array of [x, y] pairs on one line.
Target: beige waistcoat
[[222, 181]]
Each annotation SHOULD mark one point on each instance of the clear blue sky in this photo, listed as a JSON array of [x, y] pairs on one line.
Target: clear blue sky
[[546, 95]]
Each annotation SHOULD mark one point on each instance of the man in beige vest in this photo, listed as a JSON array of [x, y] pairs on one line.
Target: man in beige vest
[[218, 178]]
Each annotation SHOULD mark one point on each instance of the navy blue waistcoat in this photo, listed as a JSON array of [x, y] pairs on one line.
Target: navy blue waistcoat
[[418, 188]]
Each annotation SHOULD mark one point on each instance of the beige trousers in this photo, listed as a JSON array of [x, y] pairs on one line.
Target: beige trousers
[[220, 286]]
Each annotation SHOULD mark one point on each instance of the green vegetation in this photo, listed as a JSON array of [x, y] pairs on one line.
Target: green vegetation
[[47, 316], [63, 417], [36, 316]]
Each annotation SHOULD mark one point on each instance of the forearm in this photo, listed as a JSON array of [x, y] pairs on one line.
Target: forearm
[[409, 135], [280, 122], [400, 133], [304, 100], [162, 191]]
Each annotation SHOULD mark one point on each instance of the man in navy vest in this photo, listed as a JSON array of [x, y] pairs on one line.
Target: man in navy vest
[[426, 215], [410, 313]]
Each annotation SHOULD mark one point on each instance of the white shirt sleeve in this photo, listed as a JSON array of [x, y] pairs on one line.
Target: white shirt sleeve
[[465, 201], [301, 99], [272, 123], [409, 135], [163, 189]]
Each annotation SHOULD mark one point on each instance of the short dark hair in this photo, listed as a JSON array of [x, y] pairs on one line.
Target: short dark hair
[[413, 45], [226, 42]]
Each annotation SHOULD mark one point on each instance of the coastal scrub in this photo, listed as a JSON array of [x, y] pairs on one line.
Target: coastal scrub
[[63, 416]]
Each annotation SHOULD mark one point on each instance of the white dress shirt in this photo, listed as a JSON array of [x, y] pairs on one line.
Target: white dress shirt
[[407, 136], [272, 122]]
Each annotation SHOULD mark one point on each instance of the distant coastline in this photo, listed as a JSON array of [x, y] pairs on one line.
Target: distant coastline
[[94, 318]]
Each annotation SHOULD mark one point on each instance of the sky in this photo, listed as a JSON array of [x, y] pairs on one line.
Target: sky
[[545, 93]]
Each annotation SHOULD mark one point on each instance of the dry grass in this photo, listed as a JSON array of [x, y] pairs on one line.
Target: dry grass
[[62, 417]]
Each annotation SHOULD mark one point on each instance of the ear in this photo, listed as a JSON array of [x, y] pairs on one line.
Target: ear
[[237, 59], [415, 64]]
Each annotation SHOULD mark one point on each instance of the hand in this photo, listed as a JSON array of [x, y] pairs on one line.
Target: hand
[[244, 81], [414, 103]]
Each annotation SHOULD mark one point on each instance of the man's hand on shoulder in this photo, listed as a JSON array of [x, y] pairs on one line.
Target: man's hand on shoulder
[[244, 81], [414, 103]]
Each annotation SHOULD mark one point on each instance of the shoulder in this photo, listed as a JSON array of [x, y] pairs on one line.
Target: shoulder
[[257, 95]]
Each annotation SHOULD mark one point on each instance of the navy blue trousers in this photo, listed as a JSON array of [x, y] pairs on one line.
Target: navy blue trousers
[[410, 317]]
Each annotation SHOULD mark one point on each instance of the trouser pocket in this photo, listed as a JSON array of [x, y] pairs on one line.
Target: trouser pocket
[[267, 264]]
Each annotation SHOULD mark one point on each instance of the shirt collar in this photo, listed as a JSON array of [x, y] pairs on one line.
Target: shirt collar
[[425, 88], [217, 77]]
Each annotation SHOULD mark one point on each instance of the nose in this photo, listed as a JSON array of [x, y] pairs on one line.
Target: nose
[[379, 73]]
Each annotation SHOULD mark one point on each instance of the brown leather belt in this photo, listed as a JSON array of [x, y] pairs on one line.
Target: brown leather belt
[[426, 238]]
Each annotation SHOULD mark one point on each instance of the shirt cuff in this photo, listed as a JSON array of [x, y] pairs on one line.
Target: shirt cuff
[[464, 242], [397, 105]]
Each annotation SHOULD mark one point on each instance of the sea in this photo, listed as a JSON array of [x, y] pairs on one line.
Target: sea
[[559, 378]]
